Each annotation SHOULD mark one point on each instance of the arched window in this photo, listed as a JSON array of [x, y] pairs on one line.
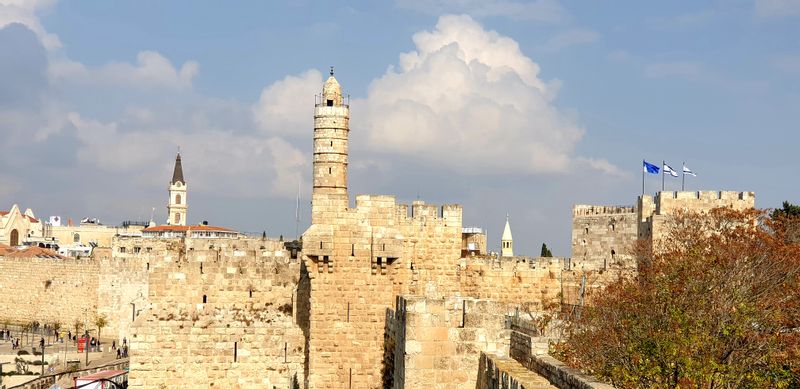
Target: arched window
[[177, 217], [178, 199], [76, 238]]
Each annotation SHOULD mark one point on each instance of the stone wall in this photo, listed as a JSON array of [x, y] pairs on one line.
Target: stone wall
[[49, 290], [220, 318], [359, 259], [602, 236], [529, 282], [438, 341]]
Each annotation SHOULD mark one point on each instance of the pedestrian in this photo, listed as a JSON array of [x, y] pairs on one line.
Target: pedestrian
[[118, 353], [114, 344]]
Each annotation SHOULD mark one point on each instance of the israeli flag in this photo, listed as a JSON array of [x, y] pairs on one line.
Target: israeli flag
[[650, 168], [688, 172], [668, 170]]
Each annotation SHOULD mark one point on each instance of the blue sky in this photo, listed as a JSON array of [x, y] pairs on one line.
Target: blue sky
[[504, 106]]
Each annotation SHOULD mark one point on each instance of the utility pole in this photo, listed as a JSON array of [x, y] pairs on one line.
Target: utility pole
[[41, 343], [86, 347]]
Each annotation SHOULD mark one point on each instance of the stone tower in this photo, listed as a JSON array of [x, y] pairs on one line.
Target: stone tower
[[507, 242], [331, 129], [176, 207]]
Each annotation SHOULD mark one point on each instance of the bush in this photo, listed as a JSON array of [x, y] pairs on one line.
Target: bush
[[23, 352]]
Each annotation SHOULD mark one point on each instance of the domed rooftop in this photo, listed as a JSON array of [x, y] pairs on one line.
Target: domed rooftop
[[332, 91]]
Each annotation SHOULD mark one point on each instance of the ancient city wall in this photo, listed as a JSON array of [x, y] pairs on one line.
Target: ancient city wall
[[49, 290], [438, 341], [358, 260], [216, 319], [530, 283], [602, 235]]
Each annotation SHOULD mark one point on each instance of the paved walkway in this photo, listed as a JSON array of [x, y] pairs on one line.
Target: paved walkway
[[56, 355]]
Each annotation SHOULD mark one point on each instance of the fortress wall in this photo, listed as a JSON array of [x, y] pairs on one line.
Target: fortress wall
[[358, 261], [595, 235], [443, 338], [49, 290], [244, 335], [529, 283], [122, 293]]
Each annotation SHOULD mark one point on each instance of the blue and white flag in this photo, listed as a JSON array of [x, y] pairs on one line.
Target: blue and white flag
[[650, 168], [668, 170], [688, 172]]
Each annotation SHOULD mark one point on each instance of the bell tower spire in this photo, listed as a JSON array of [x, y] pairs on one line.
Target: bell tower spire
[[177, 205]]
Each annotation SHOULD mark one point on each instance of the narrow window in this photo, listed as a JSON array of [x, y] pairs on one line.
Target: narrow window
[[205, 299], [235, 350], [201, 267], [329, 170], [613, 253], [76, 238], [177, 199], [331, 143], [148, 265], [352, 250], [330, 103], [586, 230], [320, 245], [251, 293], [122, 249], [177, 218]]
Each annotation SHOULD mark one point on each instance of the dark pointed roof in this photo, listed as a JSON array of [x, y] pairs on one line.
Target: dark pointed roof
[[177, 174]]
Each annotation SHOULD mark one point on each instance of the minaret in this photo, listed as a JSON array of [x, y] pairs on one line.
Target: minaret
[[331, 129], [176, 208], [507, 242]]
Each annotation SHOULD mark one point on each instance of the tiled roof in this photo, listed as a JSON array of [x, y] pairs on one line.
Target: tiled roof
[[5, 249], [186, 228], [36, 252]]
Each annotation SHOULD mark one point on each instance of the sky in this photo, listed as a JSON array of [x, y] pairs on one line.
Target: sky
[[507, 107]]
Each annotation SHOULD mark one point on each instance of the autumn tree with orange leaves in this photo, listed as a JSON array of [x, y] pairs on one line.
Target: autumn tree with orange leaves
[[715, 305]]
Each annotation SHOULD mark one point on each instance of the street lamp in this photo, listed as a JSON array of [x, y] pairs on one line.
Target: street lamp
[[86, 346], [41, 343]]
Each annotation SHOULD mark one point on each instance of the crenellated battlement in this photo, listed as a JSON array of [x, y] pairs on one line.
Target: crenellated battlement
[[593, 210]]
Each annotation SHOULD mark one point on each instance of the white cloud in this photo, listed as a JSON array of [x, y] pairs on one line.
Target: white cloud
[[470, 100], [24, 12], [246, 166], [285, 106], [151, 70], [533, 10], [577, 36], [777, 8]]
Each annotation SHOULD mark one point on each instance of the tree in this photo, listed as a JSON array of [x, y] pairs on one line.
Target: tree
[[788, 210], [545, 251], [100, 321], [716, 305]]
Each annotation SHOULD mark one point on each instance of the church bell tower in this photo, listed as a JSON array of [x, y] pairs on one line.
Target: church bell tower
[[177, 206]]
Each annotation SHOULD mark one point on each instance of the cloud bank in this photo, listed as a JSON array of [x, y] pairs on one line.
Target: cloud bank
[[470, 100]]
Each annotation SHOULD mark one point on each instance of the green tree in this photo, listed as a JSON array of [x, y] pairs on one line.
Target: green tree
[[788, 210], [545, 251], [716, 305], [100, 321]]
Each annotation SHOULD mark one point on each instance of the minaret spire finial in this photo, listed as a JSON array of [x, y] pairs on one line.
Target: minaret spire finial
[[331, 70]]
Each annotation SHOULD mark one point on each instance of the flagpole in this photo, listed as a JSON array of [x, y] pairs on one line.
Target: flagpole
[[683, 176], [663, 173], [643, 169]]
